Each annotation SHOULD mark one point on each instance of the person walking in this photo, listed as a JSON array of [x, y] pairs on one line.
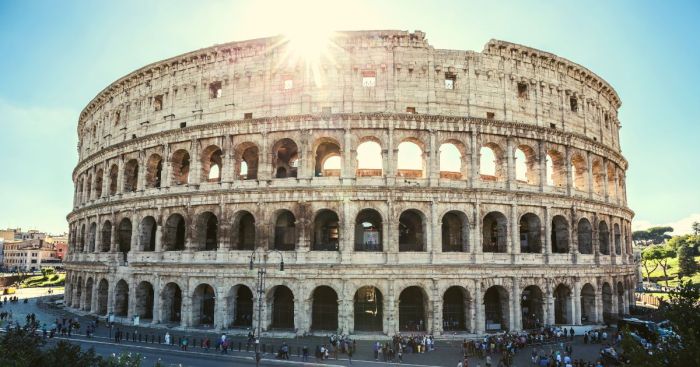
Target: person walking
[[167, 338]]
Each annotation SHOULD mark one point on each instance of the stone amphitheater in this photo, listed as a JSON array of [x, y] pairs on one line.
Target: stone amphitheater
[[405, 188]]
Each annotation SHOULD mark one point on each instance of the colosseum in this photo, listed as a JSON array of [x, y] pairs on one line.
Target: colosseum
[[404, 188]]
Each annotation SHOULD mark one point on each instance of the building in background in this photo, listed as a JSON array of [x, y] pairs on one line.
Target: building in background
[[30, 255]]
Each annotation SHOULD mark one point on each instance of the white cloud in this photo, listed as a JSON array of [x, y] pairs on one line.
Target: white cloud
[[37, 119], [680, 227]]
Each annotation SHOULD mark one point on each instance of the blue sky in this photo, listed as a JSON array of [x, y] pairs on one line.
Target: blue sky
[[56, 56]]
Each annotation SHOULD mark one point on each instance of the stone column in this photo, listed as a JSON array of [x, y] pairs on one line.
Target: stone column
[[589, 161], [347, 233], [432, 233], [543, 164], [93, 300], [474, 169], [186, 310], [569, 178], [167, 167], [433, 161], [347, 167], [228, 162], [599, 301], [131, 309], [479, 308], [392, 239], [514, 238], [156, 298], [143, 161], [606, 194], [476, 222], [576, 300], [98, 234], [391, 317], [160, 222], [120, 175], [346, 316], [510, 165], [110, 295], [195, 175], [516, 322], [220, 307], [549, 305], [547, 234], [115, 229], [105, 179]]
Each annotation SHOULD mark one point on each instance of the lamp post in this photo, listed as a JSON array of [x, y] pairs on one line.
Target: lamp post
[[262, 271]]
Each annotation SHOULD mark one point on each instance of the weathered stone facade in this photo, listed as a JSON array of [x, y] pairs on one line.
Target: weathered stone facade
[[189, 163]]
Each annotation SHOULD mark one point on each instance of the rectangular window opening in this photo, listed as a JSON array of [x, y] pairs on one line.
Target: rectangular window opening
[[158, 103], [183, 125], [215, 90], [573, 102], [522, 90], [553, 126], [410, 110], [450, 79], [369, 79], [248, 116], [490, 115], [288, 84]]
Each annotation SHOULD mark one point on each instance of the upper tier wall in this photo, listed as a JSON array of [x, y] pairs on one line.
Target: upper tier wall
[[506, 82]]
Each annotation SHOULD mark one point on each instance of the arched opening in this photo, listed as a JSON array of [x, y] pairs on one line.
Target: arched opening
[[285, 231], [598, 177], [203, 305], [154, 171], [106, 236], [532, 307], [607, 303], [588, 315], [124, 241], [131, 175], [495, 232], [412, 307], [496, 308], [144, 300], [579, 171], [585, 236], [282, 309], [102, 297], [243, 231], [207, 232], [180, 162], [211, 164], [563, 312], [525, 161], [530, 234], [603, 238], [241, 303], [555, 172], [92, 236], [324, 309], [368, 231], [411, 231], [410, 160], [248, 162], [456, 305], [617, 238], [113, 177], [490, 162], [327, 160], [89, 187], [369, 159], [171, 303], [326, 236], [368, 307], [98, 183], [286, 158], [121, 298], [148, 234], [560, 235], [174, 233], [88, 295], [450, 162], [455, 232]]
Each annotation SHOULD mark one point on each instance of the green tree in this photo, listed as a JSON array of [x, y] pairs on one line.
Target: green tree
[[687, 266], [647, 261], [19, 348], [653, 235], [696, 228], [661, 255], [683, 312], [64, 353]]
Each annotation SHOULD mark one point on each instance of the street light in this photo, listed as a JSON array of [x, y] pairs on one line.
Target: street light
[[262, 258]]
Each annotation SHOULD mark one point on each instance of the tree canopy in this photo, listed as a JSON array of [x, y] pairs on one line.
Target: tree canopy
[[653, 235]]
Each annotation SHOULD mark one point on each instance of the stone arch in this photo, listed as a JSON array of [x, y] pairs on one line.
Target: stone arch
[[326, 231], [243, 235], [203, 305], [530, 233], [410, 159], [124, 236], [456, 309], [121, 298], [560, 235], [106, 236], [284, 238], [285, 161], [579, 172], [240, 304], [327, 149], [369, 230], [207, 235], [92, 236], [495, 232], [131, 175], [555, 168], [451, 157], [491, 162], [171, 303], [281, 305], [113, 177], [526, 165], [212, 164], [413, 309], [368, 304], [496, 308], [598, 177], [412, 231], [617, 237], [98, 183], [588, 309], [154, 171], [247, 160], [585, 236], [102, 296], [180, 167], [532, 304], [455, 232], [563, 307], [147, 238], [370, 161], [144, 300], [88, 294], [603, 238], [174, 233], [324, 309]]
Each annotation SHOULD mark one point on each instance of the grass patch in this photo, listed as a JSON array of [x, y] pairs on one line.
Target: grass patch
[[51, 280]]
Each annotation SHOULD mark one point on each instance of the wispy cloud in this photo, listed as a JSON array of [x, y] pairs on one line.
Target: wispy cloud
[[680, 227]]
